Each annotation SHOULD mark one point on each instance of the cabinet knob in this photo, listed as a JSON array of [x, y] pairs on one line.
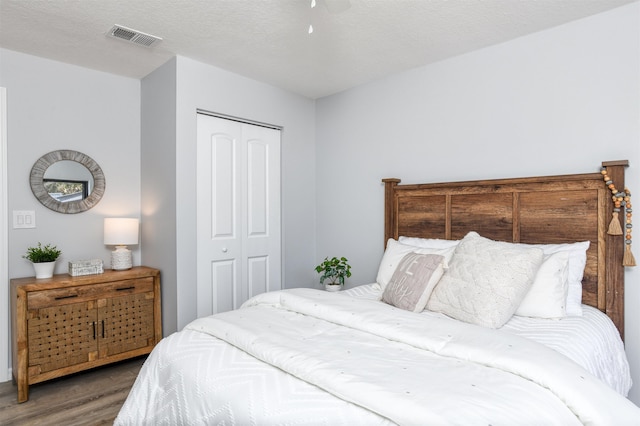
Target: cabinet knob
[[224, 250]]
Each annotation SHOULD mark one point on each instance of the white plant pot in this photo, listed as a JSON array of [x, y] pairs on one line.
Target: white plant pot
[[44, 269], [332, 287]]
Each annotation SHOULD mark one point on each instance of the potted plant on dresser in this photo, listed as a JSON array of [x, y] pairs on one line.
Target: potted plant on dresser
[[333, 271], [43, 259]]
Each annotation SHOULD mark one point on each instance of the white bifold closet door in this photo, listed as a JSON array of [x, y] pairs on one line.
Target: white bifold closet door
[[238, 212]]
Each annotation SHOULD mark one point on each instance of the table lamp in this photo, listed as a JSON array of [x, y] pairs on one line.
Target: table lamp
[[121, 232]]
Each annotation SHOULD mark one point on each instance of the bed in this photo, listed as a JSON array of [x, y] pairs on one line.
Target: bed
[[496, 302]]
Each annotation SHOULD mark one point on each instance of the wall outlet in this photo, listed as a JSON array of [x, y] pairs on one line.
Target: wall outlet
[[24, 219]]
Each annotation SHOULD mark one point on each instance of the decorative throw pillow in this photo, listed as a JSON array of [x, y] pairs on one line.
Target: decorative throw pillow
[[486, 281], [547, 297], [413, 281], [394, 254]]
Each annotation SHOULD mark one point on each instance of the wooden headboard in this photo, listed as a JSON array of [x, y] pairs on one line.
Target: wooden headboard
[[533, 210]]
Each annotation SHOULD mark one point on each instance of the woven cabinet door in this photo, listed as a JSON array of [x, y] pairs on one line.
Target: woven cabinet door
[[61, 336], [125, 323]]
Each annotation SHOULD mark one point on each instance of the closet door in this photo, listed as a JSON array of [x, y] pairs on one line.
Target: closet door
[[238, 212]]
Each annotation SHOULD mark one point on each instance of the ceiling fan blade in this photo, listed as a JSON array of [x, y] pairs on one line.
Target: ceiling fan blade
[[337, 6]]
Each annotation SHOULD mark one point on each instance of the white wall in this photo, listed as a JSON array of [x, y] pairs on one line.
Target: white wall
[[4, 242], [199, 86], [158, 183], [52, 105], [558, 101]]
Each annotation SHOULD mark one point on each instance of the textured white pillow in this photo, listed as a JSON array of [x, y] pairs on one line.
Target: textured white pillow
[[577, 261], [435, 243], [486, 281], [547, 297], [413, 281], [394, 254]]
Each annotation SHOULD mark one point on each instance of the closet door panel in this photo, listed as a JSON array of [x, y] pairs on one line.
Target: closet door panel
[[238, 213]]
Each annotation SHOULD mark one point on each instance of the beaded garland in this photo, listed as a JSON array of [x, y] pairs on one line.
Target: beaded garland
[[621, 199]]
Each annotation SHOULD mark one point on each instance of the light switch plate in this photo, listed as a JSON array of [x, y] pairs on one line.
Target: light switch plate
[[24, 219]]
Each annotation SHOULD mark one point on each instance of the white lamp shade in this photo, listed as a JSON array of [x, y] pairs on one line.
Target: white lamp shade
[[121, 231]]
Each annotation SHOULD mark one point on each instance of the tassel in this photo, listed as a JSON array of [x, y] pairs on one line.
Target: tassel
[[628, 259], [614, 226], [620, 199]]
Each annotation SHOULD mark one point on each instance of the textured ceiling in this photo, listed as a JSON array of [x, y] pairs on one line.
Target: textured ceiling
[[267, 40]]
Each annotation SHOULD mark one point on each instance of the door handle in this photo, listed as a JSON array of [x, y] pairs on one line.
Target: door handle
[[65, 297]]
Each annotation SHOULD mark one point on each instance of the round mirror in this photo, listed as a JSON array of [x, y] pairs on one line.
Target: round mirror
[[67, 181]]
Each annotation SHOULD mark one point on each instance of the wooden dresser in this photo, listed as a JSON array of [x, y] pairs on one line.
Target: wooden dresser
[[64, 324]]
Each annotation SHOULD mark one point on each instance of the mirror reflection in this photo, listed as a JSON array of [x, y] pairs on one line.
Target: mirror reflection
[[67, 181]]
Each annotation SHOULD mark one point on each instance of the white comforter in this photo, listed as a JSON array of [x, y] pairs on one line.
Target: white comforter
[[372, 363]]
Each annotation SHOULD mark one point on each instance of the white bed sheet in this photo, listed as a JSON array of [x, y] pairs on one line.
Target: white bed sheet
[[194, 378], [590, 340], [191, 378]]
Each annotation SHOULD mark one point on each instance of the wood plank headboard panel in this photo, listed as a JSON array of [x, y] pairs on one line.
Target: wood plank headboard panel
[[533, 210]]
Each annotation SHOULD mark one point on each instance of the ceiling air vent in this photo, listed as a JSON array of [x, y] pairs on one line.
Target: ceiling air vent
[[133, 36]]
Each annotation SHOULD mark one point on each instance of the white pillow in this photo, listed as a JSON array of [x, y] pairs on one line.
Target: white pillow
[[394, 254], [547, 297], [577, 261], [413, 281], [435, 243], [486, 281]]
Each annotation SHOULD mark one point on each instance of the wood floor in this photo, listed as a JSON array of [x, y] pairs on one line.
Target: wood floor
[[89, 398]]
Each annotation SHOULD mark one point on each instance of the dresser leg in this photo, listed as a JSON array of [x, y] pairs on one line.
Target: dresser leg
[[23, 392]]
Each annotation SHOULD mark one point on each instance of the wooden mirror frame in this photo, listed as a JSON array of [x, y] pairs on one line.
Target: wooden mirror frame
[[36, 180]]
